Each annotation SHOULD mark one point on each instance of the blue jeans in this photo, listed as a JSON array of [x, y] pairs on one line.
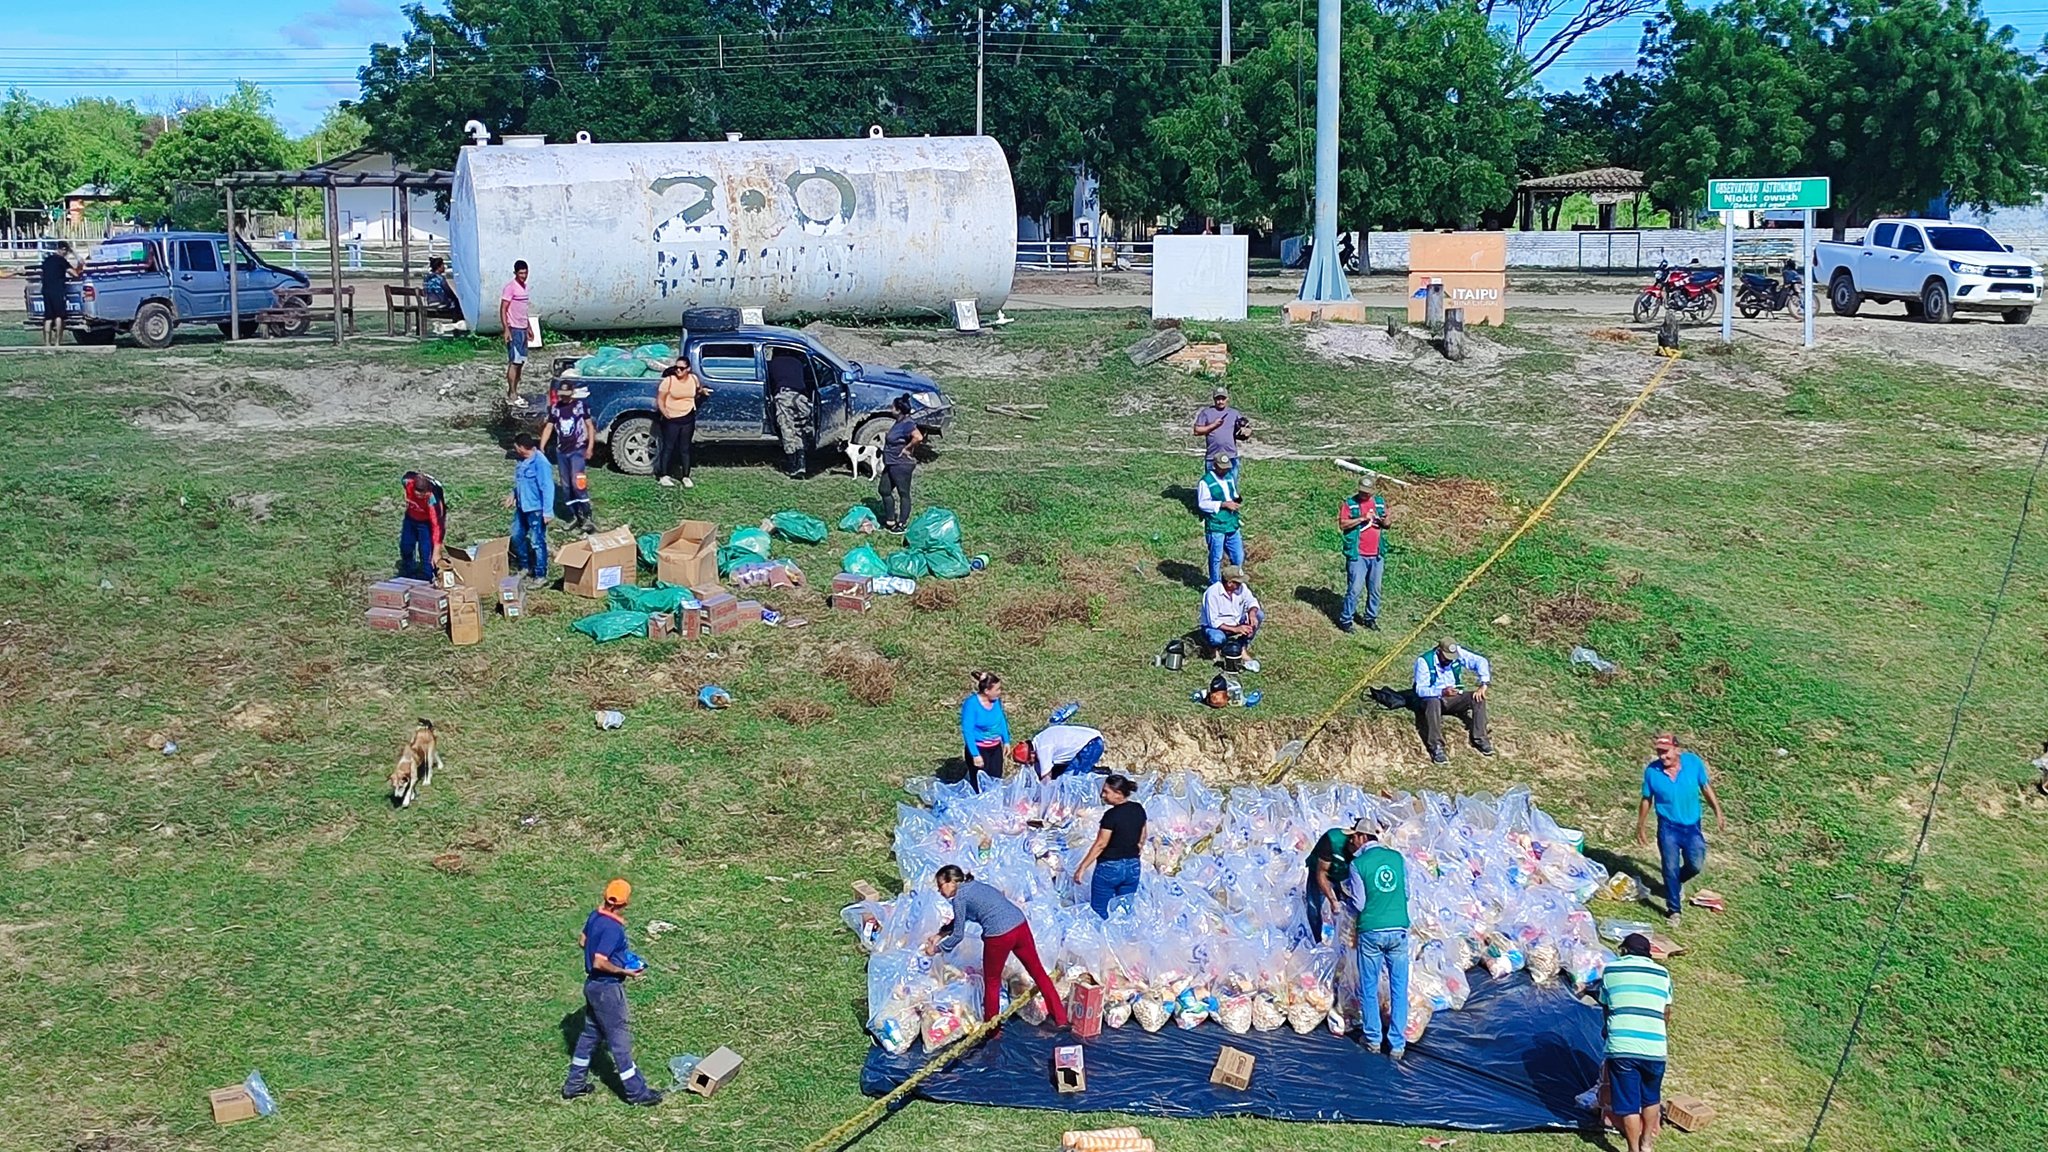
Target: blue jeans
[[604, 1019], [1385, 949], [1085, 760], [530, 543], [1220, 543], [416, 549], [1217, 638], [573, 464], [1362, 575], [1114, 883], [1684, 849]]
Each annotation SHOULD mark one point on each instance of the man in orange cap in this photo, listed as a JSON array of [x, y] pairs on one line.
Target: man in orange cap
[[607, 964]]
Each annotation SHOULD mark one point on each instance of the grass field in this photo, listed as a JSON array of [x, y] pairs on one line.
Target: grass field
[[1791, 559]]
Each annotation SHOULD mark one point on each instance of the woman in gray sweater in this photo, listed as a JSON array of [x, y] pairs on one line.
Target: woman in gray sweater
[[1004, 933]]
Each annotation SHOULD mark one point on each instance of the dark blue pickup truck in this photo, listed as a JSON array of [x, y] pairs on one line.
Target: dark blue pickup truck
[[854, 399], [145, 284]]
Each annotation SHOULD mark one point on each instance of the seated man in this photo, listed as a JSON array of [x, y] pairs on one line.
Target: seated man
[[1230, 619], [439, 290], [1440, 689], [1059, 749]]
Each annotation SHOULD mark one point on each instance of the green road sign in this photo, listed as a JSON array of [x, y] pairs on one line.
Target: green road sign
[[1765, 195]]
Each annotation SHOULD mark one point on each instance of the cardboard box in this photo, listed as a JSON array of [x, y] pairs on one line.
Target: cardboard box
[[465, 617], [482, 565], [688, 554], [692, 623], [427, 616], [597, 564], [1233, 1069], [512, 597], [427, 596], [850, 601], [750, 611], [1689, 1113], [1084, 1010], [386, 619], [660, 625], [232, 1105], [867, 892], [713, 1071], [1069, 1069], [849, 582], [387, 594]]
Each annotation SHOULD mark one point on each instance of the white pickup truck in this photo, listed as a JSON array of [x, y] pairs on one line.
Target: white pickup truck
[[1935, 268]]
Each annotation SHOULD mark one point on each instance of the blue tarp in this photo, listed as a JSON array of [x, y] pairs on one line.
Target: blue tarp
[[1511, 1060]]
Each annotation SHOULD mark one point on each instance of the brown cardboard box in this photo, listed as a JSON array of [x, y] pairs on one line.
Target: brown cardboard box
[[512, 597], [660, 625], [850, 601], [713, 1071], [387, 594], [1069, 1069], [692, 623], [427, 596], [867, 892], [1233, 1069], [1084, 1010], [850, 582], [427, 616], [465, 616], [750, 611], [597, 564], [481, 565], [1689, 1113], [688, 554], [386, 619], [231, 1105]]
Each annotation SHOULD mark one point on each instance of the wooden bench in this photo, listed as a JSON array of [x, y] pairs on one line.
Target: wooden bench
[[297, 308], [405, 310]]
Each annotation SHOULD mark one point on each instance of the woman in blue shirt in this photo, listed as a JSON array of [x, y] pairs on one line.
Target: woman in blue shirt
[[984, 728]]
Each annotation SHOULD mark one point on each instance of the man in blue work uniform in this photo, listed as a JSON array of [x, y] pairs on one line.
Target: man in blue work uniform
[[1673, 785], [605, 966]]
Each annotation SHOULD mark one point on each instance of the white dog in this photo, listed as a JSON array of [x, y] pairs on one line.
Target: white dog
[[869, 455]]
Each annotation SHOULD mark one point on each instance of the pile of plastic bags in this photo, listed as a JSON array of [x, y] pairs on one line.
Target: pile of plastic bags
[[1217, 931], [611, 362]]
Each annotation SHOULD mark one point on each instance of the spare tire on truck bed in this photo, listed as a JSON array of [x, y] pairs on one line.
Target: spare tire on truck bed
[[717, 319]]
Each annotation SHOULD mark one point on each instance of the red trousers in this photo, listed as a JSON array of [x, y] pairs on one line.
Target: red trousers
[[996, 952]]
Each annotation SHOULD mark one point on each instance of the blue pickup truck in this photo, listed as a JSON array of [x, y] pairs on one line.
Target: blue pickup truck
[[145, 284], [854, 399]]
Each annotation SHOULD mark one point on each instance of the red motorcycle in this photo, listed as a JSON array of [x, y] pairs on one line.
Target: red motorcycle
[[1693, 293]]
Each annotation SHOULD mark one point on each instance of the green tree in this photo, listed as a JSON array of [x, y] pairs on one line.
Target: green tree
[[32, 168], [1598, 126], [102, 141], [174, 179], [340, 131]]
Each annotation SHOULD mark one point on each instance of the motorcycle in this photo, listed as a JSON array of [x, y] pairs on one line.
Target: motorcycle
[[1760, 294], [1693, 293]]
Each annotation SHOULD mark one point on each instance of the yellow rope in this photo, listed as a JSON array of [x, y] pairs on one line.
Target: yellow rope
[[838, 1137], [1283, 764]]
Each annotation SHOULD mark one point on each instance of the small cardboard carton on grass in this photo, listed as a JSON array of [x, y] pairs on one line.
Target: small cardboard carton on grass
[[660, 625], [245, 1101], [688, 554], [1084, 1010], [1233, 1069], [597, 564], [482, 565], [713, 1071], [1069, 1069], [387, 594], [465, 616], [1689, 1113]]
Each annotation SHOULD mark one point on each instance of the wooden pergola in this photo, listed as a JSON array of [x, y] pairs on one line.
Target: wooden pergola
[[399, 180], [1608, 187]]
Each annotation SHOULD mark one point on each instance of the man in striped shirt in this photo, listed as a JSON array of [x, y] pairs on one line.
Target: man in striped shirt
[[1635, 992]]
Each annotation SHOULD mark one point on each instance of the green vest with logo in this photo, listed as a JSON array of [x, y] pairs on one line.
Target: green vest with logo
[[1354, 507], [1220, 489], [1385, 876]]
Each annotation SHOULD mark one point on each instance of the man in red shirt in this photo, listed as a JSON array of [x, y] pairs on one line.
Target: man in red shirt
[[426, 523], [1361, 519]]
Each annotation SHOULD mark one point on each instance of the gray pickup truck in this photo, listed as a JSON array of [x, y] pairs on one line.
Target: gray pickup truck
[[145, 284]]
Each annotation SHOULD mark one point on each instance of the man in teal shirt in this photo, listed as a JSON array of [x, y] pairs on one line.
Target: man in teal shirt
[[1635, 994], [1382, 940], [1673, 784], [1329, 871]]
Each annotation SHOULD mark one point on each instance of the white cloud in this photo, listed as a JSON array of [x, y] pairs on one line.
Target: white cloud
[[342, 23]]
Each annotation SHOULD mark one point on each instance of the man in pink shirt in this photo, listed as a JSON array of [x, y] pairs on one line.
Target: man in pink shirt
[[513, 312]]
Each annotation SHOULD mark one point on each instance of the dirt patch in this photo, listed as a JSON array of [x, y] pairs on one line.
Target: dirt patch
[[799, 712], [1414, 347], [1377, 749], [867, 676], [1448, 512], [932, 596], [211, 401], [1030, 619], [982, 357]]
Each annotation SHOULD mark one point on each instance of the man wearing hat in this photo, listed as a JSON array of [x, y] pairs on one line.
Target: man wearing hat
[[1059, 749], [1360, 519], [1440, 691], [570, 429], [1218, 426], [1382, 940], [1673, 785], [1231, 617], [1329, 869], [607, 965], [1218, 498], [1635, 994]]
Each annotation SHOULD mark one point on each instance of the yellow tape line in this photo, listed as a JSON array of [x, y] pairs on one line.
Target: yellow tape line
[[838, 1137]]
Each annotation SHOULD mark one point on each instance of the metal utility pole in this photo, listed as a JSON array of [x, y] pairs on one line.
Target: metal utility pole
[[1224, 59], [980, 59], [1325, 278]]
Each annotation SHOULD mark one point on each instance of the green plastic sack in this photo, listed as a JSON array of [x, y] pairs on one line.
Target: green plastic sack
[[859, 518], [933, 528], [947, 563], [604, 627], [589, 365], [660, 598], [800, 527], [752, 540], [650, 548], [864, 561], [909, 565], [655, 352]]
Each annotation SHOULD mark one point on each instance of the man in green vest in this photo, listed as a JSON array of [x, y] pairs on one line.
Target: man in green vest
[[1329, 870], [1360, 519], [1383, 942], [1217, 497]]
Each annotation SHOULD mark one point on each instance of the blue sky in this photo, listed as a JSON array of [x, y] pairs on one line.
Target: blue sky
[[161, 53]]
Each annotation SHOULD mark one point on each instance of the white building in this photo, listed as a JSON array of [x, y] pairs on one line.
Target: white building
[[371, 214]]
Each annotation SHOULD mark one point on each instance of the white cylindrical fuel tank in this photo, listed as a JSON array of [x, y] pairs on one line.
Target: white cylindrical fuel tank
[[628, 235]]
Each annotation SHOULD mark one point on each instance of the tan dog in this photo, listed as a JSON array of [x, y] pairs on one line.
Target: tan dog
[[416, 764]]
